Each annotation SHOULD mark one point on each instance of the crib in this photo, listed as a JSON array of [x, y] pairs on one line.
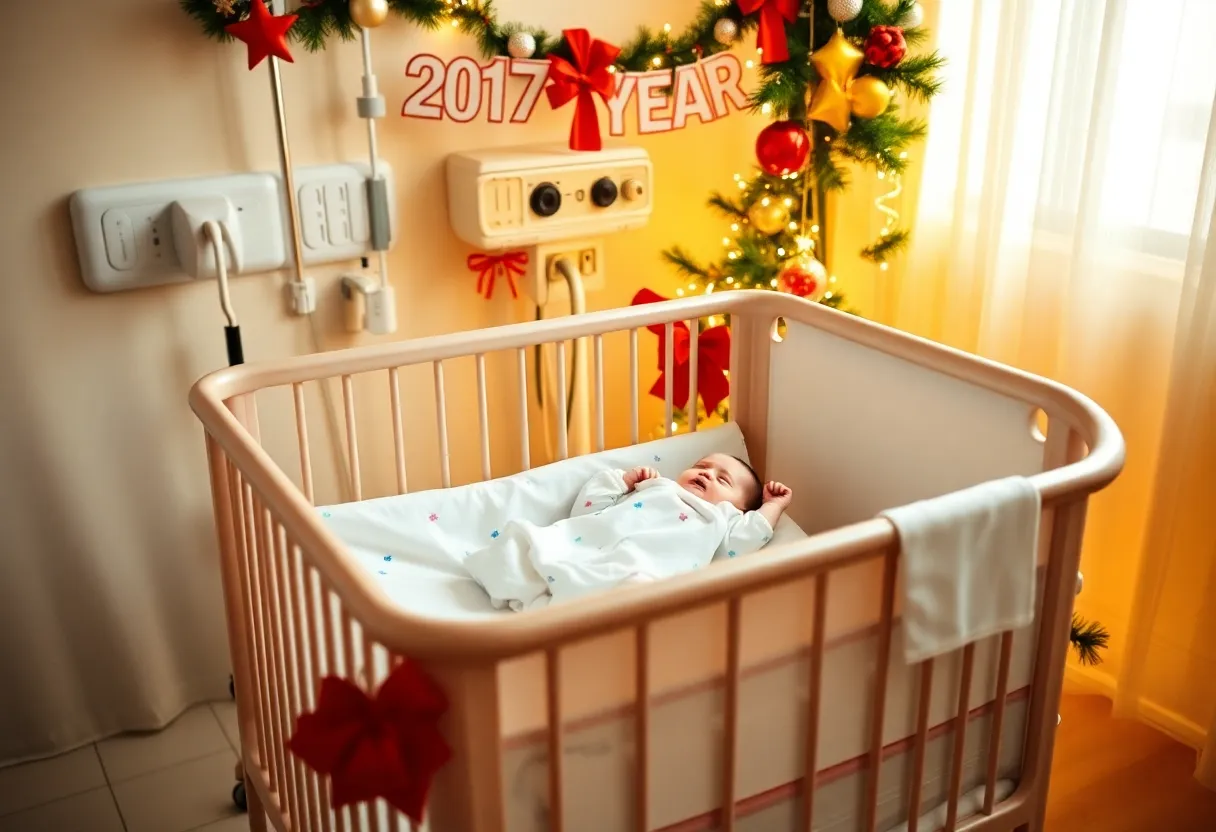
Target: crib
[[764, 693]]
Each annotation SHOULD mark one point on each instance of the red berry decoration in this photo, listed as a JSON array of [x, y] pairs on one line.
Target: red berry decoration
[[885, 47], [782, 148]]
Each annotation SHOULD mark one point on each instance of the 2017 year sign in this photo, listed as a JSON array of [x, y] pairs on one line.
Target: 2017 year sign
[[462, 90]]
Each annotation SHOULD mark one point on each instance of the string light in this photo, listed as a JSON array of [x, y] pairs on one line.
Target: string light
[[804, 243], [679, 293], [793, 226], [726, 241], [612, 69], [814, 229], [692, 287], [773, 283], [743, 186], [789, 203], [832, 279], [658, 60], [882, 175], [903, 154], [827, 296], [767, 108], [765, 202], [729, 281], [667, 28], [732, 255], [780, 252], [734, 226], [884, 266], [737, 177], [749, 64]]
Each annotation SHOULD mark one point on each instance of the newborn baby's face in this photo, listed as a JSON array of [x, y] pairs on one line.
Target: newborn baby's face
[[720, 478]]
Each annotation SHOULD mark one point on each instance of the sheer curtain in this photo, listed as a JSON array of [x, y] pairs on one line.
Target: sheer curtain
[[1065, 225]]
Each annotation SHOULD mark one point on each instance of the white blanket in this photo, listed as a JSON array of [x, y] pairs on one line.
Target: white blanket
[[612, 536], [418, 561], [967, 565]]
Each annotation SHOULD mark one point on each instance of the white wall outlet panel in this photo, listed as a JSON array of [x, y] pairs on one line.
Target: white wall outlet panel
[[516, 197], [124, 235], [124, 239]]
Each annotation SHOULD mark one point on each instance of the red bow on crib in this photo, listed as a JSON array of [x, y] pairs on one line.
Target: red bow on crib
[[590, 73], [389, 746], [713, 360], [489, 266], [774, 14]]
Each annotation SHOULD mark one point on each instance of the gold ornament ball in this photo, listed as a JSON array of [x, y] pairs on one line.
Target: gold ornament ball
[[869, 97], [369, 13], [769, 219]]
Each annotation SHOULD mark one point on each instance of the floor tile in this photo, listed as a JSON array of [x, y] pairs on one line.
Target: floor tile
[[236, 823], [183, 797], [225, 712], [30, 784], [194, 734], [91, 811]]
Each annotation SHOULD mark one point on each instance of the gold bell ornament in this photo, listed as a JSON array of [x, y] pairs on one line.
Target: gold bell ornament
[[369, 13], [769, 216]]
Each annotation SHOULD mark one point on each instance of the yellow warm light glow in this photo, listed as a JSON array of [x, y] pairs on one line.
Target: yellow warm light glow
[[814, 229], [804, 243]]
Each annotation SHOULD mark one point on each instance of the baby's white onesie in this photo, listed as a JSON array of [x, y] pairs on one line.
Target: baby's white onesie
[[655, 531]]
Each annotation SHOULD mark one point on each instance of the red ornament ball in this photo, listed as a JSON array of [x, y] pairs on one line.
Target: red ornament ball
[[782, 148], [885, 47], [804, 277]]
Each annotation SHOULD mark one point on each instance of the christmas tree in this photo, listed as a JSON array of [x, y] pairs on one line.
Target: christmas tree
[[832, 103]]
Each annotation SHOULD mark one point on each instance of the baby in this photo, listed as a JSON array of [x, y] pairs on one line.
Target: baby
[[630, 527]]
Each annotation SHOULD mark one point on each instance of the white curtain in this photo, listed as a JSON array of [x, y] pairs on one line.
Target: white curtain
[[1064, 225]]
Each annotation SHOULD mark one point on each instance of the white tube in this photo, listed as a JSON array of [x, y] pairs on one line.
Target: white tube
[[218, 234], [373, 150], [579, 425]]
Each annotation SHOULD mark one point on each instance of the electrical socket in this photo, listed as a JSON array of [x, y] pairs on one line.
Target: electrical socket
[[546, 284]]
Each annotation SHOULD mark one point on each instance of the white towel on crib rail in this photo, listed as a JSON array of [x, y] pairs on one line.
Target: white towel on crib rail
[[967, 565]]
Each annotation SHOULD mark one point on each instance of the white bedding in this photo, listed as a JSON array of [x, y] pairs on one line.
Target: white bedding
[[413, 544]]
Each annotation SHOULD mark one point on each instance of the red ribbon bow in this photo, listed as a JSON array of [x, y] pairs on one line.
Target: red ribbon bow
[[386, 747], [588, 74], [770, 37], [489, 266], [713, 360]]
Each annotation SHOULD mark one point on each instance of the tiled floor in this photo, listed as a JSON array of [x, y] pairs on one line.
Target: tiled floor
[[176, 780]]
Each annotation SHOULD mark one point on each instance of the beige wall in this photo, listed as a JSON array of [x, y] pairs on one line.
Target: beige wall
[[107, 543]]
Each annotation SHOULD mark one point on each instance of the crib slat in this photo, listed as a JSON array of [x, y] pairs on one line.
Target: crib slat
[[998, 721], [814, 692], [352, 439], [351, 675], [394, 397], [694, 335], [669, 352], [641, 725], [265, 685], [599, 392], [297, 391], [238, 490], [563, 443], [310, 676], [885, 625], [960, 738], [278, 740], [633, 387], [554, 703], [287, 617], [369, 672], [734, 610], [483, 416], [922, 738], [331, 668], [524, 435], [441, 414]]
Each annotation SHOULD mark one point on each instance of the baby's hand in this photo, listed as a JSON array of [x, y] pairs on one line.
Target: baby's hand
[[778, 494], [640, 474]]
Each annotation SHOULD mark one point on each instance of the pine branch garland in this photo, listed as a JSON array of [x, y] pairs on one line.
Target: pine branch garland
[[1088, 638]]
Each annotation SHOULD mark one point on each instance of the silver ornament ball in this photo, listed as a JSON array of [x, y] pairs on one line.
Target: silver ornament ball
[[521, 45], [726, 31], [914, 17], [842, 11]]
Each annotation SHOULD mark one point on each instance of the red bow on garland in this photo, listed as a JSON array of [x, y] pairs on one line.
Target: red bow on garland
[[490, 266], [713, 360], [774, 14], [588, 74], [386, 747]]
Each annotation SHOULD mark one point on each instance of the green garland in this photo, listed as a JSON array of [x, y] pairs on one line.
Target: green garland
[[320, 20]]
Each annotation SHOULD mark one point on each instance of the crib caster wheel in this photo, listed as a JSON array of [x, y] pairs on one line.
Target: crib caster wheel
[[239, 797]]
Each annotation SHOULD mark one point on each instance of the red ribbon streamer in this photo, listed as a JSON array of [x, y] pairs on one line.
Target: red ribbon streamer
[[588, 75], [770, 37], [387, 745], [713, 360], [490, 266]]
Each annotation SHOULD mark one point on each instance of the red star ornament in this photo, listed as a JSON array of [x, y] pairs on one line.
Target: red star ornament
[[389, 746], [263, 33]]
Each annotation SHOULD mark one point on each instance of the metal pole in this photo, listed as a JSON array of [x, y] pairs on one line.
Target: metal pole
[[289, 180]]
